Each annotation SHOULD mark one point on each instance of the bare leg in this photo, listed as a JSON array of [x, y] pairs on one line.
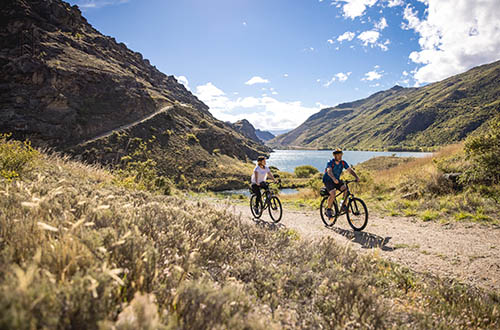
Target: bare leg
[[331, 198]]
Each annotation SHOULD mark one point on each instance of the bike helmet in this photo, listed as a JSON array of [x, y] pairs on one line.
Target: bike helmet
[[337, 151]]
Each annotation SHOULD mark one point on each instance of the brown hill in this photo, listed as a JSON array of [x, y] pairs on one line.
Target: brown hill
[[65, 85]]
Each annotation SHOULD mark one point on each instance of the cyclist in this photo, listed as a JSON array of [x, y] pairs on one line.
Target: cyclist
[[259, 177], [332, 181]]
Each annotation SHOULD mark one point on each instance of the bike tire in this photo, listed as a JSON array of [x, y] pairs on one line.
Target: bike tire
[[275, 209], [322, 211], [253, 202], [357, 214]]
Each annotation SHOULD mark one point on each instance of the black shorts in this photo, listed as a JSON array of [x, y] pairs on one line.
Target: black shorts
[[330, 185]]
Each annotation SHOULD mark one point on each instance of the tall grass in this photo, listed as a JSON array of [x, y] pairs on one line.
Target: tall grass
[[79, 252]]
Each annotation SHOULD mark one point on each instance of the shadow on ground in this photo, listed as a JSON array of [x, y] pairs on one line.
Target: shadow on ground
[[366, 240], [268, 224]]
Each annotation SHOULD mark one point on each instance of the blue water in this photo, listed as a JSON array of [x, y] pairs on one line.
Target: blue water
[[288, 160]]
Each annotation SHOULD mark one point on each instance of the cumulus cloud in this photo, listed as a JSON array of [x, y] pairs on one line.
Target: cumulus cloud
[[183, 80], [382, 24], [348, 35], [263, 112], [369, 37], [373, 75], [394, 3], [256, 80], [455, 35], [341, 77], [356, 8]]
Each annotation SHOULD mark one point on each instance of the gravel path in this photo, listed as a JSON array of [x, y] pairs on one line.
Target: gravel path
[[467, 251]]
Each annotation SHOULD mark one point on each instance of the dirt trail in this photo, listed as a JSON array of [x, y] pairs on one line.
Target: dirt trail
[[467, 251], [124, 127]]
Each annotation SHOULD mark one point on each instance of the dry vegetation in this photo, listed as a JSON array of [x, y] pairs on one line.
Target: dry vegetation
[[79, 251]]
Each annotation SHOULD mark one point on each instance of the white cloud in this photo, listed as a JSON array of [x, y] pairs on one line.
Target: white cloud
[[263, 112], [369, 37], [341, 77], [394, 3], [382, 24], [348, 35], [455, 35], [373, 75], [356, 8], [244, 23], [285, 75], [91, 4], [330, 41], [256, 80], [183, 80]]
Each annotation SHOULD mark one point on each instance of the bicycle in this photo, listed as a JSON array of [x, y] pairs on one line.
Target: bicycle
[[356, 210], [269, 201]]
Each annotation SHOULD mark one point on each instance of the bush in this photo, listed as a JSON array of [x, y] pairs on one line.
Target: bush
[[15, 157], [483, 150], [305, 171]]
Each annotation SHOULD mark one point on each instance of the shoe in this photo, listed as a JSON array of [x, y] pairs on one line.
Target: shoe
[[256, 210], [343, 209], [329, 213]]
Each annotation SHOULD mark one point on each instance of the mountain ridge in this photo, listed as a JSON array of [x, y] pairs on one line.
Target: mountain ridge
[[404, 118]]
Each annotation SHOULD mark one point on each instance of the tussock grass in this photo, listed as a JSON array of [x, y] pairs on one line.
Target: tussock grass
[[77, 251]]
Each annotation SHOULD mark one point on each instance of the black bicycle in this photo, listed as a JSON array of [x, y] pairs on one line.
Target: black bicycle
[[269, 201], [356, 210]]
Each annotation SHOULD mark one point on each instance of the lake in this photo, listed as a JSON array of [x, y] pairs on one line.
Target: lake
[[288, 160]]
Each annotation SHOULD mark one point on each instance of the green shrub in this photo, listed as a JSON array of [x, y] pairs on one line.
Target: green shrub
[[192, 138], [305, 171], [16, 158], [483, 151]]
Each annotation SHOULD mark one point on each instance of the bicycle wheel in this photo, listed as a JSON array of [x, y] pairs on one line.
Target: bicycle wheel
[[255, 207], [357, 214], [275, 209], [322, 210]]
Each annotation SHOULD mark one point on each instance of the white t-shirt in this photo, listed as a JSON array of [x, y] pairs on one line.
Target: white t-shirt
[[262, 172]]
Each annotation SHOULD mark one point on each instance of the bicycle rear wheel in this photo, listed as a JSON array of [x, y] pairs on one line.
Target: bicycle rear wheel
[[255, 207], [322, 210], [357, 214], [275, 209]]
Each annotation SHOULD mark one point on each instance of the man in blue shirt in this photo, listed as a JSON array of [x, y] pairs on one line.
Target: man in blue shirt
[[332, 181]]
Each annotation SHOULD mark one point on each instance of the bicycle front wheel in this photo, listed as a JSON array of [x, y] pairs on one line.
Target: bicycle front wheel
[[275, 209], [255, 207], [322, 210], [357, 214]]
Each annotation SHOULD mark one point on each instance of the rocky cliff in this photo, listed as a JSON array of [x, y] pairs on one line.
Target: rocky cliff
[[264, 135], [65, 85]]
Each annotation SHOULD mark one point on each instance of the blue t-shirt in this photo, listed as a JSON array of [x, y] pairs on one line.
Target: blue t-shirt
[[336, 169]]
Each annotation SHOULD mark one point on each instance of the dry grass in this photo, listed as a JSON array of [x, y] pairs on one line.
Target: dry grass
[[78, 252]]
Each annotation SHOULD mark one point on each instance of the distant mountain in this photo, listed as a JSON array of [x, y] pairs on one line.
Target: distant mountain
[[244, 127], [405, 118], [247, 129], [65, 85], [264, 135]]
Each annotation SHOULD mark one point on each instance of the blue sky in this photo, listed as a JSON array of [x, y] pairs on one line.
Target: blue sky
[[276, 62]]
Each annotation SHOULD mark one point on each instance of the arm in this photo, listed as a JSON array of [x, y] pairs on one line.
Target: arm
[[256, 176], [351, 171], [330, 174]]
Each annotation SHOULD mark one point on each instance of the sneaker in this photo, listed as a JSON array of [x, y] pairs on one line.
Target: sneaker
[[343, 209], [256, 210], [329, 213]]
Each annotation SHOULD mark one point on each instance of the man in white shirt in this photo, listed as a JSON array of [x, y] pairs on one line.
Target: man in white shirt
[[259, 177]]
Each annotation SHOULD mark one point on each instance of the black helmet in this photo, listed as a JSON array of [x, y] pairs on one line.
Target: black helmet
[[337, 151], [261, 158]]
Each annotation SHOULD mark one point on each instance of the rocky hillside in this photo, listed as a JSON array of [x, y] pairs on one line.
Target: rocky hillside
[[62, 84], [247, 129], [264, 135], [405, 118]]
